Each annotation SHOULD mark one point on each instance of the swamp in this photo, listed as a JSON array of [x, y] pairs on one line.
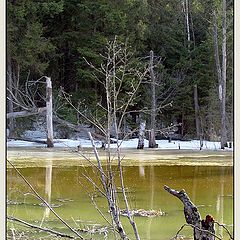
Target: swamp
[[59, 175]]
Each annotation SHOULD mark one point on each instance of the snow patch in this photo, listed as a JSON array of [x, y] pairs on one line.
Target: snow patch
[[131, 143]]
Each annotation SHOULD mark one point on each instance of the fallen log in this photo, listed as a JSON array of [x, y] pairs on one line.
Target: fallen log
[[143, 213], [26, 113]]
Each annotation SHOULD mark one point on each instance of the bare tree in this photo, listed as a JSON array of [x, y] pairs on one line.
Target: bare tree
[[24, 98], [118, 71], [191, 37], [221, 71]]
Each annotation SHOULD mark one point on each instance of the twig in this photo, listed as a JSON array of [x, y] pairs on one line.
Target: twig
[[39, 228], [100, 212], [45, 202], [199, 229], [221, 225], [13, 234]]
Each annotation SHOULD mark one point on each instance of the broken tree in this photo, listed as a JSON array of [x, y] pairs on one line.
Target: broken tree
[[49, 112], [202, 229], [28, 107]]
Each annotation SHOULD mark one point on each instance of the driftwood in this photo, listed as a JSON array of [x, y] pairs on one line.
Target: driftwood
[[143, 213], [203, 229]]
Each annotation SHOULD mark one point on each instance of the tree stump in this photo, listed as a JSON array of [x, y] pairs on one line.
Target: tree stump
[[152, 141], [202, 229], [141, 135], [49, 112]]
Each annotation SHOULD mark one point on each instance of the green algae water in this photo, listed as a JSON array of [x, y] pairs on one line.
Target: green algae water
[[61, 176]]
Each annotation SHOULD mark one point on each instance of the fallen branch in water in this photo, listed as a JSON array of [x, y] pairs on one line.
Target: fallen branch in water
[[44, 201], [11, 202], [39, 228], [143, 213]]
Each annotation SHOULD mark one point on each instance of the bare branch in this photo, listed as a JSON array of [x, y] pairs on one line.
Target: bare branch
[[197, 228], [221, 225], [11, 218]]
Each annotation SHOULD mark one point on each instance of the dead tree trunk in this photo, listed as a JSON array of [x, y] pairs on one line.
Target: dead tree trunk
[[197, 120], [49, 112], [221, 72], [197, 117], [141, 134], [224, 79], [152, 142], [202, 229]]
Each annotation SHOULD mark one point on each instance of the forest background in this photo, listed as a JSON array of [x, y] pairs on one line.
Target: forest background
[[53, 38]]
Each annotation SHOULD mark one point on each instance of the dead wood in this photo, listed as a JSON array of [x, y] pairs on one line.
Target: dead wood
[[203, 229], [26, 113]]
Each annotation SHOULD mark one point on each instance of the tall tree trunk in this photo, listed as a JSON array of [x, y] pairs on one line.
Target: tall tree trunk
[[221, 73], [196, 105], [224, 79], [152, 142], [186, 13], [49, 112], [197, 117]]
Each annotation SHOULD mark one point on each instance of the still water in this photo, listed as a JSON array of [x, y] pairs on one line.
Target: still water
[[60, 177]]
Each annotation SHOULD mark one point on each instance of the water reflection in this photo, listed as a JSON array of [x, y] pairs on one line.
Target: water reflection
[[220, 202], [151, 206], [141, 171], [205, 185], [48, 186]]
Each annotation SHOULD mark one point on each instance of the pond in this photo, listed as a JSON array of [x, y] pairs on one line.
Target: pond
[[59, 176]]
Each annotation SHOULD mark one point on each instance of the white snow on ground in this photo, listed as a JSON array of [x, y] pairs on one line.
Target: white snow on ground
[[131, 143]]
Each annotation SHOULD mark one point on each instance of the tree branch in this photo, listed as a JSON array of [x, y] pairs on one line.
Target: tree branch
[[11, 218]]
